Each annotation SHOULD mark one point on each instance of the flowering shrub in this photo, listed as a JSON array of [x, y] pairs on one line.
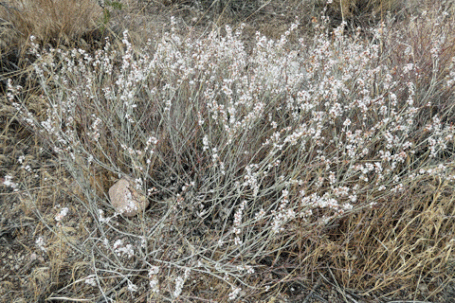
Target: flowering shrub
[[252, 146]]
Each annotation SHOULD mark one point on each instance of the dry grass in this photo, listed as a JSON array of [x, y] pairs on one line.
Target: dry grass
[[405, 241], [54, 22], [394, 244]]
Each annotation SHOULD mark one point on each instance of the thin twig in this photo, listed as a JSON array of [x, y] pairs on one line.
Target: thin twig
[[318, 283]]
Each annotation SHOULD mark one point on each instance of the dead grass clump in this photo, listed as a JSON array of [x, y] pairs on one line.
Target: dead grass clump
[[36, 257], [54, 22], [365, 13], [427, 49], [404, 244], [236, 9]]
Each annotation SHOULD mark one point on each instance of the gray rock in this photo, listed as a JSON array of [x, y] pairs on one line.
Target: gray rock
[[126, 199]]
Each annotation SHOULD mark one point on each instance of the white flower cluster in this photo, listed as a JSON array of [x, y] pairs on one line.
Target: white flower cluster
[[179, 283], [153, 277], [8, 181], [121, 249], [283, 215], [237, 223], [41, 244], [59, 217]]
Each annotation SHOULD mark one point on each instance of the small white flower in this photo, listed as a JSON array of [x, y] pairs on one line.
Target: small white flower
[[154, 285], [106, 242], [8, 182], [40, 243], [62, 214], [132, 287], [143, 242], [178, 286], [154, 270], [118, 244], [235, 292], [260, 214], [127, 250], [205, 142], [90, 280]]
